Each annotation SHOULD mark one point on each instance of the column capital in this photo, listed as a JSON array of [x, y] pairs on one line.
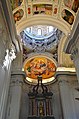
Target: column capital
[[17, 77], [62, 73]]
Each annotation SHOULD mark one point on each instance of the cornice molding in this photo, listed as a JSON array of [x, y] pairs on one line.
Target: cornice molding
[[18, 72], [64, 73]]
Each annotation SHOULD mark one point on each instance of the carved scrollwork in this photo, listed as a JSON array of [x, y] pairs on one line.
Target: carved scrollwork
[[9, 57]]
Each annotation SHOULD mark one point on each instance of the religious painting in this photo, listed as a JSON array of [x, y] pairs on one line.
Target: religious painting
[[42, 9], [48, 9], [15, 3], [40, 66], [68, 16], [72, 4], [18, 15]]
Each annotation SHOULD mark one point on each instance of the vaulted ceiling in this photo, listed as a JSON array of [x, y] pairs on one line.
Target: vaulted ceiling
[[44, 27]]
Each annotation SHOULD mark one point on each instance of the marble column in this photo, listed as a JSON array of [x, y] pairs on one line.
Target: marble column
[[15, 93], [67, 101]]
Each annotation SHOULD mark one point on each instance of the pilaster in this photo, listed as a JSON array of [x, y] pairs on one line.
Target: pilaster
[[67, 100], [15, 93]]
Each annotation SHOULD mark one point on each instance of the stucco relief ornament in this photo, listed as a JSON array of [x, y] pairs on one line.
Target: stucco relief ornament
[[10, 56]]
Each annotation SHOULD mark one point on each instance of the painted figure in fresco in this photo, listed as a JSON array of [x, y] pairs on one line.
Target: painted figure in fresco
[[40, 67], [68, 3], [75, 5], [72, 4], [42, 9], [18, 15], [67, 16]]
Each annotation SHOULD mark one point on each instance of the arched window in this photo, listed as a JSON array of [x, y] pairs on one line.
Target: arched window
[[39, 31]]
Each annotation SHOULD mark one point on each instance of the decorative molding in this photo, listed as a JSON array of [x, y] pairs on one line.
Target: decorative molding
[[41, 19], [64, 73], [17, 77], [63, 81], [17, 73], [16, 81]]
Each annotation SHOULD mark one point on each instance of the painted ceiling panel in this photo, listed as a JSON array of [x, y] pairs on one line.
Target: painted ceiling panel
[[42, 37], [40, 66]]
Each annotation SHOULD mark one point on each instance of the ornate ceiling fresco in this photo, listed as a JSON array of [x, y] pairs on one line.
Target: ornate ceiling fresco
[[23, 8], [43, 37], [48, 42], [42, 9], [40, 66]]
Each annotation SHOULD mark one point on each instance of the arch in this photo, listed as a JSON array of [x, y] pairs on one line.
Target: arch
[[43, 20], [42, 56], [46, 20]]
